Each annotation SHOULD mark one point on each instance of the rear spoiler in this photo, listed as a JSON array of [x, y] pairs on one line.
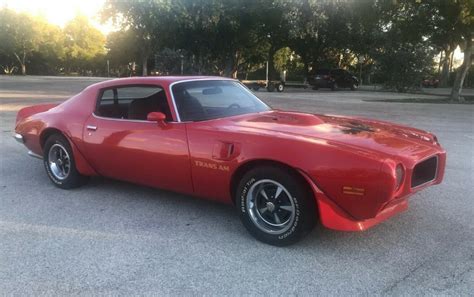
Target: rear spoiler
[[31, 110]]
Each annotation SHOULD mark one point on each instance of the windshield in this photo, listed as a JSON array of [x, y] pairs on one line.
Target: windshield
[[210, 99]]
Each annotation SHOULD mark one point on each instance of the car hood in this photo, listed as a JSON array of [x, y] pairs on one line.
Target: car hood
[[362, 133]]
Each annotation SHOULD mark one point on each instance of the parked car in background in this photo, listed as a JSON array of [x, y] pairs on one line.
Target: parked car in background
[[430, 83], [333, 79], [270, 85]]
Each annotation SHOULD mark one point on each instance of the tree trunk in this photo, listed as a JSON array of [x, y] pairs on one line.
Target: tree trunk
[[145, 65], [443, 82], [229, 65], [22, 62], [440, 62], [235, 66], [305, 67], [451, 62], [462, 71], [271, 64]]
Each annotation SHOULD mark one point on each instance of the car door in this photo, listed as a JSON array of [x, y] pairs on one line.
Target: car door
[[120, 142]]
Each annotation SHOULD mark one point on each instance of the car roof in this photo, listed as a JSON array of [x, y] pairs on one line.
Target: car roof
[[163, 81]]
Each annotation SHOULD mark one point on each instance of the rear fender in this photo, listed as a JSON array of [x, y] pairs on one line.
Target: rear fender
[[31, 110], [81, 163]]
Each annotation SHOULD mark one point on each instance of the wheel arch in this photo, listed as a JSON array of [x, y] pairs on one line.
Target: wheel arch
[[82, 164], [46, 133], [245, 167]]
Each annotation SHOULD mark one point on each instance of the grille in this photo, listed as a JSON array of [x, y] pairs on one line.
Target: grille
[[424, 172]]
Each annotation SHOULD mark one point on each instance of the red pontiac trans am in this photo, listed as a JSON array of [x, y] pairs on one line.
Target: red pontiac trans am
[[211, 137]]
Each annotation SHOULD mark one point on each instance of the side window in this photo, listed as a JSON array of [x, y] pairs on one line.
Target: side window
[[132, 102]]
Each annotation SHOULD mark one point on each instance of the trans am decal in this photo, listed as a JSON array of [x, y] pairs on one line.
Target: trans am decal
[[213, 166]]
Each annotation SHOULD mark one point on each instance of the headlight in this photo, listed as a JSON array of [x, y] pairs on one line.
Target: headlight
[[399, 174]]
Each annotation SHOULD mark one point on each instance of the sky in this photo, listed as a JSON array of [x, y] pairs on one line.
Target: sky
[[59, 12]]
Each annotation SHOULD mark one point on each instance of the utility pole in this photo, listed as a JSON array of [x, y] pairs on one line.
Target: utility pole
[[266, 73], [360, 59]]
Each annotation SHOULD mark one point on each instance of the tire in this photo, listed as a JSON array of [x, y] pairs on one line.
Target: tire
[[354, 87], [280, 88], [58, 160], [334, 86], [274, 205], [271, 87]]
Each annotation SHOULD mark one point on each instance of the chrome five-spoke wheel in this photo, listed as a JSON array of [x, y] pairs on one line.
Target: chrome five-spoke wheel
[[271, 206], [275, 204], [59, 161]]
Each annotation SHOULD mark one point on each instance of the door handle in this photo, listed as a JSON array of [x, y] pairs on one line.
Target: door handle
[[91, 128]]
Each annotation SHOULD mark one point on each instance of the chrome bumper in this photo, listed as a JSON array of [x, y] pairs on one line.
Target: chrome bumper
[[19, 138], [31, 154]]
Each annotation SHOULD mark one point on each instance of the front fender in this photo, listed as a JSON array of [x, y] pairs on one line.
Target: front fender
[[334, 217]]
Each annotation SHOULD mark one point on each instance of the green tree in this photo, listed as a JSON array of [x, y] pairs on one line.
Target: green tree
[[18, 36], [464, 29], [49, 53], [405, 55], [83, 44], [122, 51], [147, 20]]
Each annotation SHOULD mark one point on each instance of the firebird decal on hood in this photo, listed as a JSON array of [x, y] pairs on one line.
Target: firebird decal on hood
[[356, 128]]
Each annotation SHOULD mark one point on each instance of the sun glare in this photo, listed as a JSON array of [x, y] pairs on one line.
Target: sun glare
[[59, 12]]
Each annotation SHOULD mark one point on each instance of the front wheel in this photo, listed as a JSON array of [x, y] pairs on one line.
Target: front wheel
[[59, 163], [275, 206], [271, 87]]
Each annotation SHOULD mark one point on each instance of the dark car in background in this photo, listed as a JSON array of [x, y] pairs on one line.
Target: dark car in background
[[430, 82], [333, 79]]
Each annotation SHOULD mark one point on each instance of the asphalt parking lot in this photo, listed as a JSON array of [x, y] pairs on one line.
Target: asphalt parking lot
[[115, 238]]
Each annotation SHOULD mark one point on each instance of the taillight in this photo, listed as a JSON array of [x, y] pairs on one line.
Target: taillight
[[400, 175]]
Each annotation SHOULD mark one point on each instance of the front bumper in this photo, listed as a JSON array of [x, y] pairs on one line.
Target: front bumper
[[334, 217]]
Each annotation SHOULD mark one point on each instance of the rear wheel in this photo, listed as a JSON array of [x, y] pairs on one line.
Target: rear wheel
[[275, 206], [59, 163], [354, 87], [280, 87]]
